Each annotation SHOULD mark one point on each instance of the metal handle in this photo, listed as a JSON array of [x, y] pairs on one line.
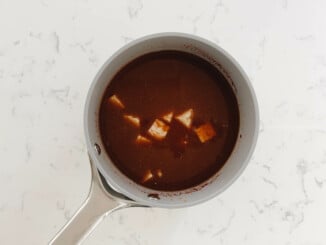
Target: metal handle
[[95, 208]]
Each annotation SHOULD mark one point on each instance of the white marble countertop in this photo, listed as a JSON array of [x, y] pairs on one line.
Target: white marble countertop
[[49, 54]]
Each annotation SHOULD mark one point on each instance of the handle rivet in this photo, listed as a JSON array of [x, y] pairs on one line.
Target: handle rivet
[[97, 148]]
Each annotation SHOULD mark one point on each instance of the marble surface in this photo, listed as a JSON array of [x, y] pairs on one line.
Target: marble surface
[[51, 50]]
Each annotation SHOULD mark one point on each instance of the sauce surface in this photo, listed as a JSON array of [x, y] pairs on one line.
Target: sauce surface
[[169, 120]]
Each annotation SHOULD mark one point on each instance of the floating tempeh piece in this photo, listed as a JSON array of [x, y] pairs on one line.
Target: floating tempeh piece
[[134, 120], [168, 117], [186, 118], [116, 101], [142, 140], [148, 175], [159, 173], [205, 132], [158, 130]]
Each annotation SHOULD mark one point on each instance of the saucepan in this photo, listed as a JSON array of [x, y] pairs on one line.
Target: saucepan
[[110, 189]]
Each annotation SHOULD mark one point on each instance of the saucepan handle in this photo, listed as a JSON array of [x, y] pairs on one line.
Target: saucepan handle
[[95, 208]]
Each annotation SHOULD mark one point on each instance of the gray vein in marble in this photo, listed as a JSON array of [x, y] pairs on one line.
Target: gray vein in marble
[[219, 4], [305, 38], [302, 170], [299, 221], [259, 210], [13, 111], [267, 181], [319, 86], [83, 46], [261, 54], [49, 64], [131, 240], [75, 96], [60, 94], [134, 7], [44, 3], [21, 95], [52, 166], [126, 39], [293, 219], [288, 216], [281, 146], [220, 201], [92, 57], [19, 75], [89, 42], [22, 202], [253, 217], [205, 230], [281, 105], [284, 4], [302, 204], [111, 237], [268, 168], [194, 23], [319, 183], [36, 35], [67, 215], [262, 43], [227, 226], [271, 204], [136, 239], [121, 219], [28, 149], [320, 60], [17, 42], [56, 42], [61, 205]]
